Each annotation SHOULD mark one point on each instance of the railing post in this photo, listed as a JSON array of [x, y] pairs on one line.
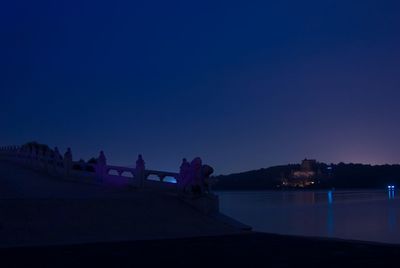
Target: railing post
[[101, 167], [57, 159], [30, 161], [33, 158], [47, 157], [67, 162], [184, 170], [42, 159], [140, 173]]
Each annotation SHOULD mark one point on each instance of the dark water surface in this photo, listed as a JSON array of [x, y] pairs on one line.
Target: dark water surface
[[358, 214]]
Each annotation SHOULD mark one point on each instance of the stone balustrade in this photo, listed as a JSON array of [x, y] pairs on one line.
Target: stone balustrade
[[52, 162]]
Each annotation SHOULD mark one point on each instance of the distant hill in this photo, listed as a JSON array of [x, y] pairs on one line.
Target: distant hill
[[345, 176]]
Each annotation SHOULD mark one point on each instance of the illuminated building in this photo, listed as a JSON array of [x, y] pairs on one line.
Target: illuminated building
[[304, 177]]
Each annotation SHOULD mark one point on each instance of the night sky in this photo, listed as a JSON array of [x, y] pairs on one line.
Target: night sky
[[243, 84]]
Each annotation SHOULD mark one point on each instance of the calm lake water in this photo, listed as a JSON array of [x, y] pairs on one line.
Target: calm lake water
[[357, 215]]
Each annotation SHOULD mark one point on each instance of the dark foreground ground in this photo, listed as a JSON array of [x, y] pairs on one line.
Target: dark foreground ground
[[246, 250]]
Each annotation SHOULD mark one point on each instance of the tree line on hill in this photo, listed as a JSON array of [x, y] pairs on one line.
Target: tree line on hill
[[338, 176]]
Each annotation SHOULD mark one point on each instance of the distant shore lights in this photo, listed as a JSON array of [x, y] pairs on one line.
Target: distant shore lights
[[391, 191]]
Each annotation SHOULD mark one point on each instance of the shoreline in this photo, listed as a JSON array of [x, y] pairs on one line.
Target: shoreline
[[303, 190]]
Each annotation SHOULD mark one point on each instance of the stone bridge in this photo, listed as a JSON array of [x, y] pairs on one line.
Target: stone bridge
[[192, 183], [52, 162]]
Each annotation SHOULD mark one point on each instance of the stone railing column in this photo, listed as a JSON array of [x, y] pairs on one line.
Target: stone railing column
[[15, 153], [57, 159], [30, 161], [67, 162], [33, 157], [40, 158], [182, 179], [101, 167], [46, 159], [140, 173]]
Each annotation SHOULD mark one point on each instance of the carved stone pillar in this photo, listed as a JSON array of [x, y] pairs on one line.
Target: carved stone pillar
[[101, 167], [140, 173], [68, 162]]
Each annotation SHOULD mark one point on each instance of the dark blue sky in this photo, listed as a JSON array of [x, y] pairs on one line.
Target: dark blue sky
[[242, 84]]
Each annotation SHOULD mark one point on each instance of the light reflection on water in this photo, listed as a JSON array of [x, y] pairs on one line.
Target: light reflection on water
[[360, 215]]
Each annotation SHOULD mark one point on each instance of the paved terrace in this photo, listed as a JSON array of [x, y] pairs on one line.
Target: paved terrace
[[38, 209]]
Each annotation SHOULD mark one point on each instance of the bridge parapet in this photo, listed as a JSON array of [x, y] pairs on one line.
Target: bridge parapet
[[192, 178]]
